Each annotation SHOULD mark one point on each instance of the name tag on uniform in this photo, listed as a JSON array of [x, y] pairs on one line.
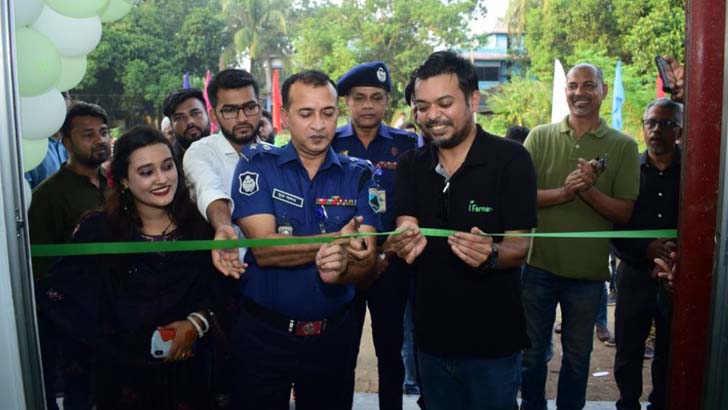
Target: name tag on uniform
[[287, 198]]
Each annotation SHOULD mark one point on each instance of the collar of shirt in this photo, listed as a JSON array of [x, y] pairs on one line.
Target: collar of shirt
[[222, 144], [67, 173], [476, 154], [289, 153], [348, 131], [600, 132], [675, 158]]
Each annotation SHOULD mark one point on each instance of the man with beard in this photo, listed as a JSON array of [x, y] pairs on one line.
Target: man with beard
[[189, 120], [209, 163], [640, 298], [467, 284], [365, 89], [588, 179], [294, 325], [55, 209]]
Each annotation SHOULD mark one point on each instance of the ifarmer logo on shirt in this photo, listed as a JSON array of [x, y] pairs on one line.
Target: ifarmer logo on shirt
[[475, 208]]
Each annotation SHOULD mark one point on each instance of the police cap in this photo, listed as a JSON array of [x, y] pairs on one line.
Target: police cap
[[374, 74]]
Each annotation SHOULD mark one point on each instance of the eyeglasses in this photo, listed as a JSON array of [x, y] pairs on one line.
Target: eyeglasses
[[230, 112], [652, 124]]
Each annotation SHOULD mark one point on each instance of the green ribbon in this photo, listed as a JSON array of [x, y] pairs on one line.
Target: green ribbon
[[110, 248]]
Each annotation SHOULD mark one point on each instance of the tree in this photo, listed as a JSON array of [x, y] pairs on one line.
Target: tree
[[143, 57], [259, 31], [402, 33]]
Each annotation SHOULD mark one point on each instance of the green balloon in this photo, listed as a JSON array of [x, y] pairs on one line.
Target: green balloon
[[78, 8], [39, 63], [33, 153], [72, 71], [115, 11]]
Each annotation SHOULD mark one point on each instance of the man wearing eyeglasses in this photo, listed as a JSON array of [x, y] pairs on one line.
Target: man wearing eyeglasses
[[209, 163], [189, 120], [365, 90], [587, 181], [640, 298]]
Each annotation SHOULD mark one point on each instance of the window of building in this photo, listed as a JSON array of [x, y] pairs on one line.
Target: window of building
[[488, 73]]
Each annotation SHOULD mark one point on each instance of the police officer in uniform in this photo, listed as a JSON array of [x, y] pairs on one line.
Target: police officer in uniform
[[365, 89], [295, 326]]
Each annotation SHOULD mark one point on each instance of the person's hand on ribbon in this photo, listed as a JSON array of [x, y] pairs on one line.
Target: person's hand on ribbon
[[331, 261], [227, 261], [408, 242], [473, 248], [357, 247]]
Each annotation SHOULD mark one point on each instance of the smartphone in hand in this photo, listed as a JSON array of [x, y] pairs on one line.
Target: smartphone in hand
[[162, 342], [663, 68]]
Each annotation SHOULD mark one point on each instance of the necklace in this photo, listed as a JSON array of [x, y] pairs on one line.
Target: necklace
[[159, 237]]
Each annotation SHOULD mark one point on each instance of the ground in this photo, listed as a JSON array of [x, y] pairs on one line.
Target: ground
[[599, 389]]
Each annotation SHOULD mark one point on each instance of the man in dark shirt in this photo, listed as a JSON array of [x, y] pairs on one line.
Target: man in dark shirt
[[637, 299], [55, 209], [185, 109], [473, 182]]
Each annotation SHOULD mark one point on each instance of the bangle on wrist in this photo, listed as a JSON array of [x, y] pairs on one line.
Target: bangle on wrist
[[203, 320], [197, 327]]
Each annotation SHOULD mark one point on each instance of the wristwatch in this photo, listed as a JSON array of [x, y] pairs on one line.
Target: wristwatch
[[492, 260]]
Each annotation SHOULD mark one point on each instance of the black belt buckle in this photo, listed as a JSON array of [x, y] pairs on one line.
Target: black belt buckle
[[304, 328]]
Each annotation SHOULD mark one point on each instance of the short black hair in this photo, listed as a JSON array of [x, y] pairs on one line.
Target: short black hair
[[82, 109], [310, 77], [517, 133], [448, 62], [177, 97], [230, 79], [268, 115]]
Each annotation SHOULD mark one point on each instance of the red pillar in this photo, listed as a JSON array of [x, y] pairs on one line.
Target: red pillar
[[700, 171]]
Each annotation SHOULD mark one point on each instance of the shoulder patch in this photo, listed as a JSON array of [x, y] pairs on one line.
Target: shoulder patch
[[255, 149], [248, 183]]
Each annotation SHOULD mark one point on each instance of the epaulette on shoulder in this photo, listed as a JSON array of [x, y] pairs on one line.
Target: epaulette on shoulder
[[402, 133], [356, 162], [254, 149]]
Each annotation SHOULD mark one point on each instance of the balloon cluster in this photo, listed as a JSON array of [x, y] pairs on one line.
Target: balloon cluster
[[52, 39]]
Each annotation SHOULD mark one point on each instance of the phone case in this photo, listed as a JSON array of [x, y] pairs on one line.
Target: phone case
[[162, 342]]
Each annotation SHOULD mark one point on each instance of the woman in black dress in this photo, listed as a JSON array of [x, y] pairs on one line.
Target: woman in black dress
[[112, 304]]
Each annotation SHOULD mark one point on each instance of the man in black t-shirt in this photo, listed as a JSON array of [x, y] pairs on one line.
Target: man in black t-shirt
[[474, 183]]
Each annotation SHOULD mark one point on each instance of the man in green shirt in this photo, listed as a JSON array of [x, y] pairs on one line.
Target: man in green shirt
[[588, 179], [55, 209]]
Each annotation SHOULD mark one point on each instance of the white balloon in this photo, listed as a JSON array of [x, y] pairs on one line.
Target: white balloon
[[28, 192], [72, 37], [115, 10], [42, 115], [73, 69], [34, 151], [27, 11]]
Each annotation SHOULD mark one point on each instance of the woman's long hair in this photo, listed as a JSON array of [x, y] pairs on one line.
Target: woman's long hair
[[119, 206]]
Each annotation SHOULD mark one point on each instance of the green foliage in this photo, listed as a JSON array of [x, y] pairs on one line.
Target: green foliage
[[336, 36], [596, 31], [144, 56], [521, 101]]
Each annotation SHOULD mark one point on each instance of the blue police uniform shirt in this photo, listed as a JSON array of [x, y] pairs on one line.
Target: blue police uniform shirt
[[383, 152], [272, 180]]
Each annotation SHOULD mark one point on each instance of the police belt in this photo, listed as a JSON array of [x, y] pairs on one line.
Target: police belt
[[291, 326]]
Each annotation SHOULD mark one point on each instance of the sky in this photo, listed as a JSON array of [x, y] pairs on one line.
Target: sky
[[496, 10]]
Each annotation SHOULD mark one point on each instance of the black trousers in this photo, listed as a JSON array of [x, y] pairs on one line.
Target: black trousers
[[637, 306], [386, 299]]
